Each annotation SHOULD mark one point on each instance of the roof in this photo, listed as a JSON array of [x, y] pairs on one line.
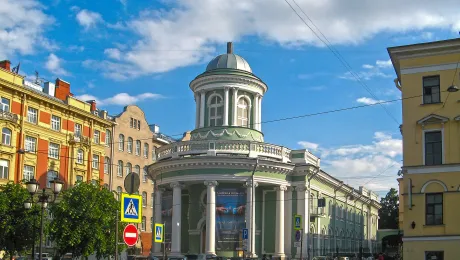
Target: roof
[[229, 61]]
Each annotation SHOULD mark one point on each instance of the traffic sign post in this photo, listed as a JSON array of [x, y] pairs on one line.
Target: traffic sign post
[[130, 235], [297, 222], [131, 208]]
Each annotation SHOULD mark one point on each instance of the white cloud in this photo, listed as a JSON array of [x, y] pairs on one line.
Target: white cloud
[[384, 63], [368, 66], [375, 164], [88, 19], [76, 48], [187, 32], [308, 145], [121, 99], [113, 53], [371, 71], [54, 65], [22, 24], [368, 101]]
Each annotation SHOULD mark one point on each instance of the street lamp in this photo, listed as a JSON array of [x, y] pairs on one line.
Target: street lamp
[[43, 199]]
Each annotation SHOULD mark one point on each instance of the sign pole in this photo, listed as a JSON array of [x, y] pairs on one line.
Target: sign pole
[[164, 241], [116, 237], [301, 243]]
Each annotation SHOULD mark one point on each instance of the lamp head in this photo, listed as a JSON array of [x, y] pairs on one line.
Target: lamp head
[[32, 186]]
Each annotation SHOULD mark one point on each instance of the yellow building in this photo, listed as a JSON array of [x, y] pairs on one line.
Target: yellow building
[[47, 133], [430, 186]]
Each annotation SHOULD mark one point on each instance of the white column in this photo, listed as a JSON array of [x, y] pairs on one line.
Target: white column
[[226, 106], [157, 214], [235, 106], [202, 108], [303, 210], [255, 112], [369, 229], [279, 232], [210, 246], [197, 110], [251, 219], [176, 219], [259, 111], [288, 223]]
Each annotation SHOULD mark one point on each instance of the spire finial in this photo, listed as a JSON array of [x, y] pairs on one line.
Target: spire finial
[[229, 47]]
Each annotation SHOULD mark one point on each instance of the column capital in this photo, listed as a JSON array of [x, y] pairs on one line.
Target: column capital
[[177, 185], [258, 95], [248, 184], [211, 183], [281, 188], [159, 189], [301, 188], [202, 92], [290, 188], [227, 88]]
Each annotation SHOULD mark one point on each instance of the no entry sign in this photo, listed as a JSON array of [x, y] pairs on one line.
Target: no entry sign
[[130, 235]]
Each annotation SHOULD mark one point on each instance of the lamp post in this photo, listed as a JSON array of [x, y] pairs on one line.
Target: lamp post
[[43, 200]]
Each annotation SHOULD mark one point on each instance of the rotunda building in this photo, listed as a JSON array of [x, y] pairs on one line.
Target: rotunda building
[[227, 192]]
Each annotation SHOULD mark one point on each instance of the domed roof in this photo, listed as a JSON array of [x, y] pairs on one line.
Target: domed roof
[[229, 61]]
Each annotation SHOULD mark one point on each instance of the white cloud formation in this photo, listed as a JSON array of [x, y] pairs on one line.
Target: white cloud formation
[[375, 164], [54, 65], [368, 101], [384, 63], [371, 71], [188, 31], [308, 145], [121, 99], [22, 24], [88, 19]]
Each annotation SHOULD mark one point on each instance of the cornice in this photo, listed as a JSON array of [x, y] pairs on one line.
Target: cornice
[[196, 83]]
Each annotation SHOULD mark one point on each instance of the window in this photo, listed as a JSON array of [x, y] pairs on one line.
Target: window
[[135, 124], [138, 125], [215, 110], [433, 209], [96, 136], [95, 161], [435, 255], [55, 123], [50, 176], [154, 157], [30, 144], [94, 182], [137, 169], [32, 115], [153, 199], [143, 223], [146, 150], [6, 136], [130, 145], [78, 129], [129, 168], [28, 172], [106, 165], [119, 190], [106, 186], [144, 199], [144, 178], [431, 93], [79, 178], [53, 151], [80, 156], [4, 169], [138, 147], [108, 137], [5, 105], [121, 142], [433, 148], [243, 112], [120, 169], [131, 122]]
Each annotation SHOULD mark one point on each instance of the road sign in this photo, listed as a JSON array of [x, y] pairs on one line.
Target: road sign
[[297, 222], [296, 244], [132, 183], [245, 233], [131, 208], [159, 233], [130, 235], [298, 236]]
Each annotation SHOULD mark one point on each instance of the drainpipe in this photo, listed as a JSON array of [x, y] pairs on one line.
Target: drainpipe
[[112, 154], [20, 163]]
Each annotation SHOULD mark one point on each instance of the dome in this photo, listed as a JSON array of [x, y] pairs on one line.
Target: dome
[[229, 61]]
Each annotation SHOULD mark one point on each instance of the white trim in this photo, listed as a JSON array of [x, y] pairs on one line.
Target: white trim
[[440, 118], [433, 181], [430, 68], [442, 140], [432, 169], [440, 238], [217, 177]]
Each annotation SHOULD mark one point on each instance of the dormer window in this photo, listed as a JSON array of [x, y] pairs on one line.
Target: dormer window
[[215, 110]]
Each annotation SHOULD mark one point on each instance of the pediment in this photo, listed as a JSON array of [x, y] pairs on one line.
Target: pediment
[[432, 119]]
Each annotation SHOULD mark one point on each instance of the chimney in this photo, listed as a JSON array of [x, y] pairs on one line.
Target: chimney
[[229, 47], [62, 89], [156, 129], [5, 64], [49, 88], [93, 105]]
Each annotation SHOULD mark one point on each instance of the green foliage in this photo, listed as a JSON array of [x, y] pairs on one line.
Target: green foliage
[[84, 221], [389, 213], [16, 222]]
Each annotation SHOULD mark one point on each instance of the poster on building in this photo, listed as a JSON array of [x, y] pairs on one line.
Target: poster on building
[[166, 215], [230, 218]]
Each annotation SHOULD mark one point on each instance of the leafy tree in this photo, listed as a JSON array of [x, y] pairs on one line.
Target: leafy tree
[[16, 222], [84, 221], [389, 213]]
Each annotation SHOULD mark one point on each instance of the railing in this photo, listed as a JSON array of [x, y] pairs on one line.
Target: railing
[[5, 115], [79, 139], [224, 147]]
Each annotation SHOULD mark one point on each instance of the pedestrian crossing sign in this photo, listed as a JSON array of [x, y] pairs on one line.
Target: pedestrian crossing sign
[[297, 222], [131, 208], [159, 233]]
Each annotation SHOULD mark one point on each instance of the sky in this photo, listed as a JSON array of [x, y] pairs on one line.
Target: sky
[[122, 52]]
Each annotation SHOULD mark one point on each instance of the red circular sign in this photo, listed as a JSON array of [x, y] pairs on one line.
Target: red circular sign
[[130, 235]]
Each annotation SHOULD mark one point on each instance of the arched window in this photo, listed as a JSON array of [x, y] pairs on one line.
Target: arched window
[[80, 156], [138, 147], [144, 199], [215, 110], [144, 179], [119, 190], [120, 169], [121, 142], [129, 168], [130, 145], [146, 150], [106, 165], [137, 169], [6, 136], [108, 137], [243, 112]]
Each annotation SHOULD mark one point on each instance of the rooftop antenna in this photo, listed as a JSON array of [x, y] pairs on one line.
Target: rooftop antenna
[[16, 69], [229, 47], [38, 80]]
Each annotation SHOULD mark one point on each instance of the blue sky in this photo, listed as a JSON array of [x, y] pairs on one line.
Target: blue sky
[[121, 52]]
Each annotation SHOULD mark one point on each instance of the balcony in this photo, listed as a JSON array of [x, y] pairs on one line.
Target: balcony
[[240, 148], [73, 139], [5, 115]]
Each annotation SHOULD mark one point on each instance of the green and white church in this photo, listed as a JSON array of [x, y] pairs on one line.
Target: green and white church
[[226, 178]]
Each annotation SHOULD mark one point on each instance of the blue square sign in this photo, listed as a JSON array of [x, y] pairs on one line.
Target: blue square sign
[[245, 233], [131, 208]]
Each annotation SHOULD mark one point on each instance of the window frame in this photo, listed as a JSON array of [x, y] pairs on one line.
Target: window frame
[[7, 134], [50, 154], [217, 107], [97, 136], [240, 119], [146, 150], [80, 156], [55, 123], [78, 130], [424, 145], [3, 105], [106, 164], [108, 137], [434, 204], [4, 170], [130, 145], [144, 199], [29, 167], [143, 224], [129, 168], [48, 184], [138, 147], [78, 178], [29, 115], [30, 140], [121, 142], [95, 161], [431, 89], [120, 164]]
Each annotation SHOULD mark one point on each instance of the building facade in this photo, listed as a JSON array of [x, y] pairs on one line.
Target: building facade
[[427, 74], [47, 133], [223, 177], [132, 151]]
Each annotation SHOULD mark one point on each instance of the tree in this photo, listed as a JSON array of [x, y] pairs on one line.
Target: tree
[[17, 223], [84, 220], [389, 213]]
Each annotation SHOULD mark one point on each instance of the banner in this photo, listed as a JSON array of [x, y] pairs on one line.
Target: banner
[[230, 218], [166, 215]]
